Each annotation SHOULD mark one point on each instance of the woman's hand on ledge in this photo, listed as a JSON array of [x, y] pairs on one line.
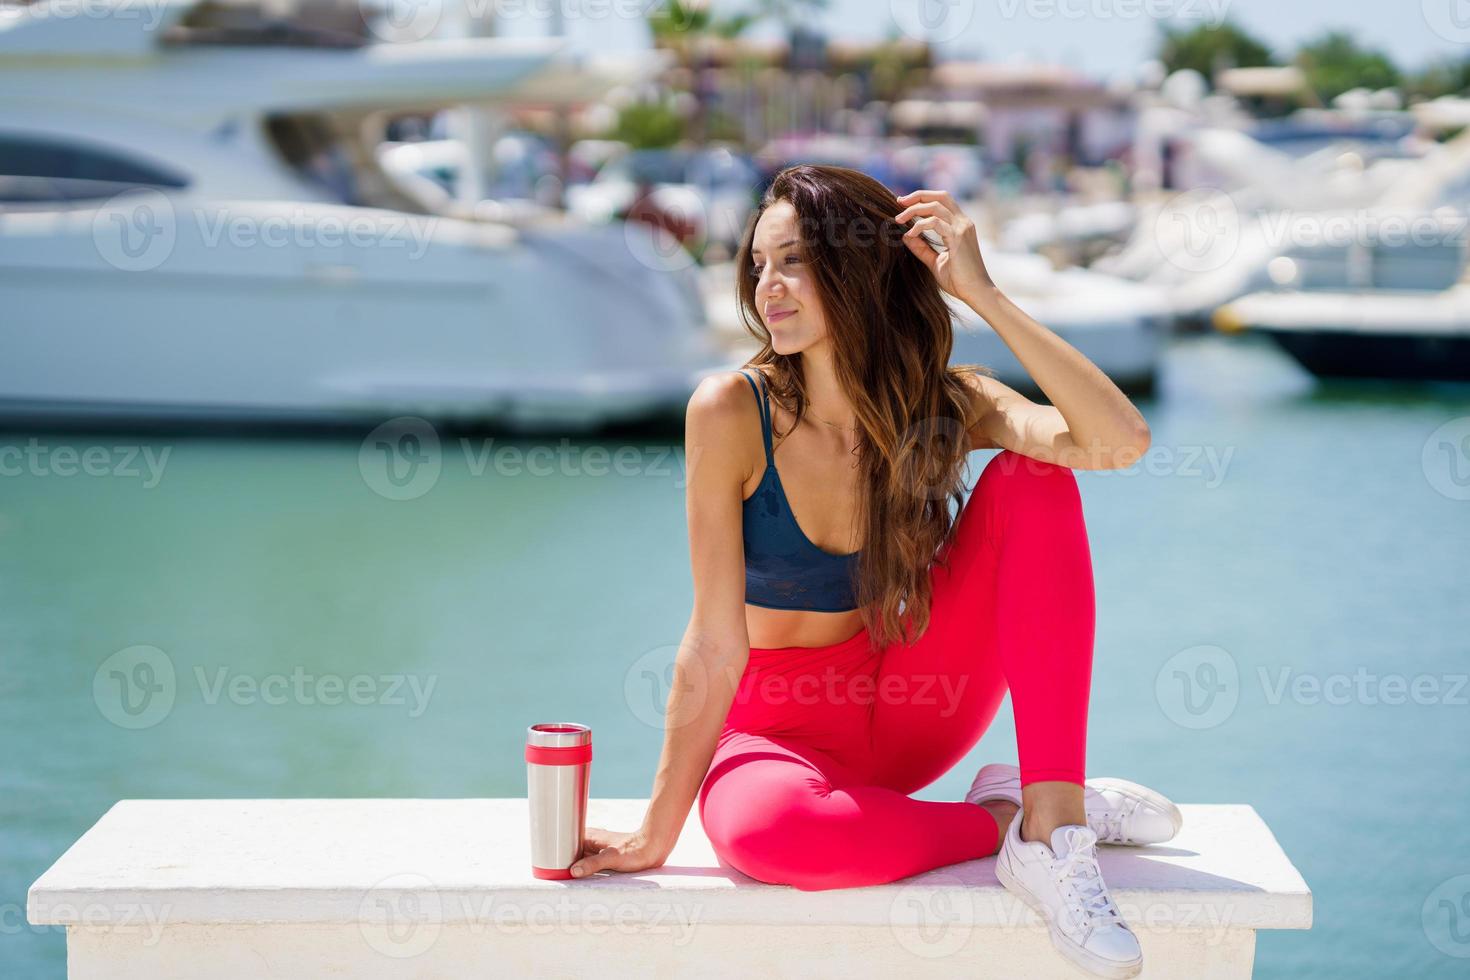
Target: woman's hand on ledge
[[608, 850]]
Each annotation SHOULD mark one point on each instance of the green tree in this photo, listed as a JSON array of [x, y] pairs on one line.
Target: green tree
[[1208, 49], [677, 23], [1334, 63], [1445, 76], [648, 125]]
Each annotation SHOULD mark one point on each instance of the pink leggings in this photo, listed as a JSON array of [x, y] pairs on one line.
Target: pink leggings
[[810, 779]]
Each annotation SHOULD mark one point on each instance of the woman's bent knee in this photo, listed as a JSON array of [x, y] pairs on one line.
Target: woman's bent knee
[[1019, 467], [1013, 477]]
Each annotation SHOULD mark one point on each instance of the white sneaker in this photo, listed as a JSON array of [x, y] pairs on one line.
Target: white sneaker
[[1118, 811], [1064, 884]]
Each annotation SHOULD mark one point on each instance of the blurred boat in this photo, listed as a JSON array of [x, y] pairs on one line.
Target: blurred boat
[[1070, 225], [525, 169], [1117, 324], [197, 229], [1376, 248], [1340, 234], [1311, 203], [1363, 334], [702, 195]]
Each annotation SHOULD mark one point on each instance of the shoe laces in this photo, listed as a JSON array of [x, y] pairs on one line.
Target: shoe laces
[[1079, 875], [1108, 824], [1109, 821]]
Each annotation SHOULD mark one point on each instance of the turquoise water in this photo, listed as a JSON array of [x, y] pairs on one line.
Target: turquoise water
[[1296, 534]]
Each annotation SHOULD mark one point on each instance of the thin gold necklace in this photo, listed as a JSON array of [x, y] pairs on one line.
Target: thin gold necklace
[[844, 428]]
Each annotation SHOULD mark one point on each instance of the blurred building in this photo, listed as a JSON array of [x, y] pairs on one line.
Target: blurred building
[[752, 91], [1033, 113]]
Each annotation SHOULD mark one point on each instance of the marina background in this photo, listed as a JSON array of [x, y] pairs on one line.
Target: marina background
[[304, 516]]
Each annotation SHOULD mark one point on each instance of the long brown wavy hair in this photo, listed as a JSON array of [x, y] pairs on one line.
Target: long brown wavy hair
[[891, 335]]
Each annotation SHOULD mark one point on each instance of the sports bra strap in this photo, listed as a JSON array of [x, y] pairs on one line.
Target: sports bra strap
[[763, 404]]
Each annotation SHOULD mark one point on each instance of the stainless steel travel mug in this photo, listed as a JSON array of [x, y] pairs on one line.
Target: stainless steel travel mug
[[558, 774]]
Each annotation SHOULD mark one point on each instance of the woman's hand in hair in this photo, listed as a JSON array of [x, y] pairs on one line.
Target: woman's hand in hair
[[959, 269]]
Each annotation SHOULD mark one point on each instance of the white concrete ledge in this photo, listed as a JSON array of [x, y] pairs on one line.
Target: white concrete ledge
[[391, 888]]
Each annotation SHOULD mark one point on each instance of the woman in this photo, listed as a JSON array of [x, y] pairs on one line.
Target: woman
[[851, 638]]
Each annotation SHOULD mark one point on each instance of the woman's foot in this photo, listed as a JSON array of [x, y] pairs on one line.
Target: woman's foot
[[1064, 884], [1118, 811]]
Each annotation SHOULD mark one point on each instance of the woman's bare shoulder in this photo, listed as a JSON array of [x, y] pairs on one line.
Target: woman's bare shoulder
[[722, 398], [724, 418]]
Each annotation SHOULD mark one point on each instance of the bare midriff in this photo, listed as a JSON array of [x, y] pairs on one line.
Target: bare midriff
[[774, 628]]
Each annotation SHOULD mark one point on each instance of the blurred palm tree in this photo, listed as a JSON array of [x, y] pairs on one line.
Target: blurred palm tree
[[676, 21], [690, 28], [677, 24]]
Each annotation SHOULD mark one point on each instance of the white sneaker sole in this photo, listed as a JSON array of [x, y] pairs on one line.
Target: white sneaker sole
[[1151, 797], [1079, 957]]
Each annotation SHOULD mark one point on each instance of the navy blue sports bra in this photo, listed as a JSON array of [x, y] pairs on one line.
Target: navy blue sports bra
[[783, 569]]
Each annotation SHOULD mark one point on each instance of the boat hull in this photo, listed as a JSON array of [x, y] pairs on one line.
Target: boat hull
[[1352, 354], [1394, 335]]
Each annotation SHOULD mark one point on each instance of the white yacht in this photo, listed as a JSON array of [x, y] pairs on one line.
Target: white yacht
[[194, 226], [1354, 213], [1118, 324], [1397, 335]]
